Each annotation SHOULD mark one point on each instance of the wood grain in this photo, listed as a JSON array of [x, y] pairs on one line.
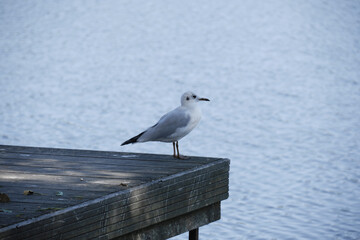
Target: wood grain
[[84, 194]]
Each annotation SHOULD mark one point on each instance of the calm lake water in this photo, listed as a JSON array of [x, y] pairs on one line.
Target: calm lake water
[[283, 78]]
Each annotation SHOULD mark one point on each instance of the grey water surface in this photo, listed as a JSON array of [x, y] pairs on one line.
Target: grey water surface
[[283, 78]]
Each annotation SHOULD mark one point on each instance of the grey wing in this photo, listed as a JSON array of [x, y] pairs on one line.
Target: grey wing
[[166, 126]]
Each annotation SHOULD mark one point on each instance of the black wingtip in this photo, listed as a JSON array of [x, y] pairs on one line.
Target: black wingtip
[[132, 140], [128, 142]]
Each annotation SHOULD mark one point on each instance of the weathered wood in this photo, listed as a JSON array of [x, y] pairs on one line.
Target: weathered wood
[[85, 187], [177, 225], [74, 179], [116, 229], [103, 194], [148, 193], [141, 200], [135, 216], [81, 161], [54, 152]]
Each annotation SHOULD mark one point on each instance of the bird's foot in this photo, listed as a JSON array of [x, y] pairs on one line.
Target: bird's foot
[[182, 157]]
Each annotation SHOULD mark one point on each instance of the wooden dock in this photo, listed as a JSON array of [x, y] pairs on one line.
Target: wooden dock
[[83, 194]]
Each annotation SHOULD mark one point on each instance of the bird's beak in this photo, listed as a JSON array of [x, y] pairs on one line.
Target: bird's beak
[[204, 99]]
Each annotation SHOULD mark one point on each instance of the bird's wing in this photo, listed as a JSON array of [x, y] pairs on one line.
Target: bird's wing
[[166, 126]]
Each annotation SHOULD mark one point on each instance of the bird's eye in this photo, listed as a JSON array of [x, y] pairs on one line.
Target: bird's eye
[[194, 96], [187, 98]]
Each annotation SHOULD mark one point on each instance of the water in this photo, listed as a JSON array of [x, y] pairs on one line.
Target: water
[[283, 78]]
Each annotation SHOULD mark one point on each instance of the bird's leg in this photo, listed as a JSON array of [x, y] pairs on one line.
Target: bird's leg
[[178, 152], [177, 148], [174, 150]]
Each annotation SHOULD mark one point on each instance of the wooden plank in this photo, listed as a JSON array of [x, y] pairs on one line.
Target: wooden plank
[[177, 225], [19, 212], [100, 173], [51, 196], [70, 161], [4, 149], [64, 179], [104, 165], [42, 187], [103, 202]]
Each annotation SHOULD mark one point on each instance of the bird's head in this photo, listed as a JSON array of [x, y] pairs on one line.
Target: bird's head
[[190, 98]]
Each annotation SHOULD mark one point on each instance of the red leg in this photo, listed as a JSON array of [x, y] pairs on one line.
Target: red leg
[[178, 155]]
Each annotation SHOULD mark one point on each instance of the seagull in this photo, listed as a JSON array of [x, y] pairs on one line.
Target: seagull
[[174, 125]]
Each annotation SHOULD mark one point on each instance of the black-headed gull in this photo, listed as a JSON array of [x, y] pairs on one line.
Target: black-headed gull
[[174, 125]]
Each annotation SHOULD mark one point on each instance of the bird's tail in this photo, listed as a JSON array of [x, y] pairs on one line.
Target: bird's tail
[[132, 140]]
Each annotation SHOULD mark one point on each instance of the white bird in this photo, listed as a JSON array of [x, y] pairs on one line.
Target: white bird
[[174, 125]]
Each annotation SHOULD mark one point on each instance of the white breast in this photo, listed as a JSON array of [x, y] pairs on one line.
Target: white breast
[[195, 116]]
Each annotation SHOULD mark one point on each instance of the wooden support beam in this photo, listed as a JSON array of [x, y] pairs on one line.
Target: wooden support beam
[[194, 234]]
